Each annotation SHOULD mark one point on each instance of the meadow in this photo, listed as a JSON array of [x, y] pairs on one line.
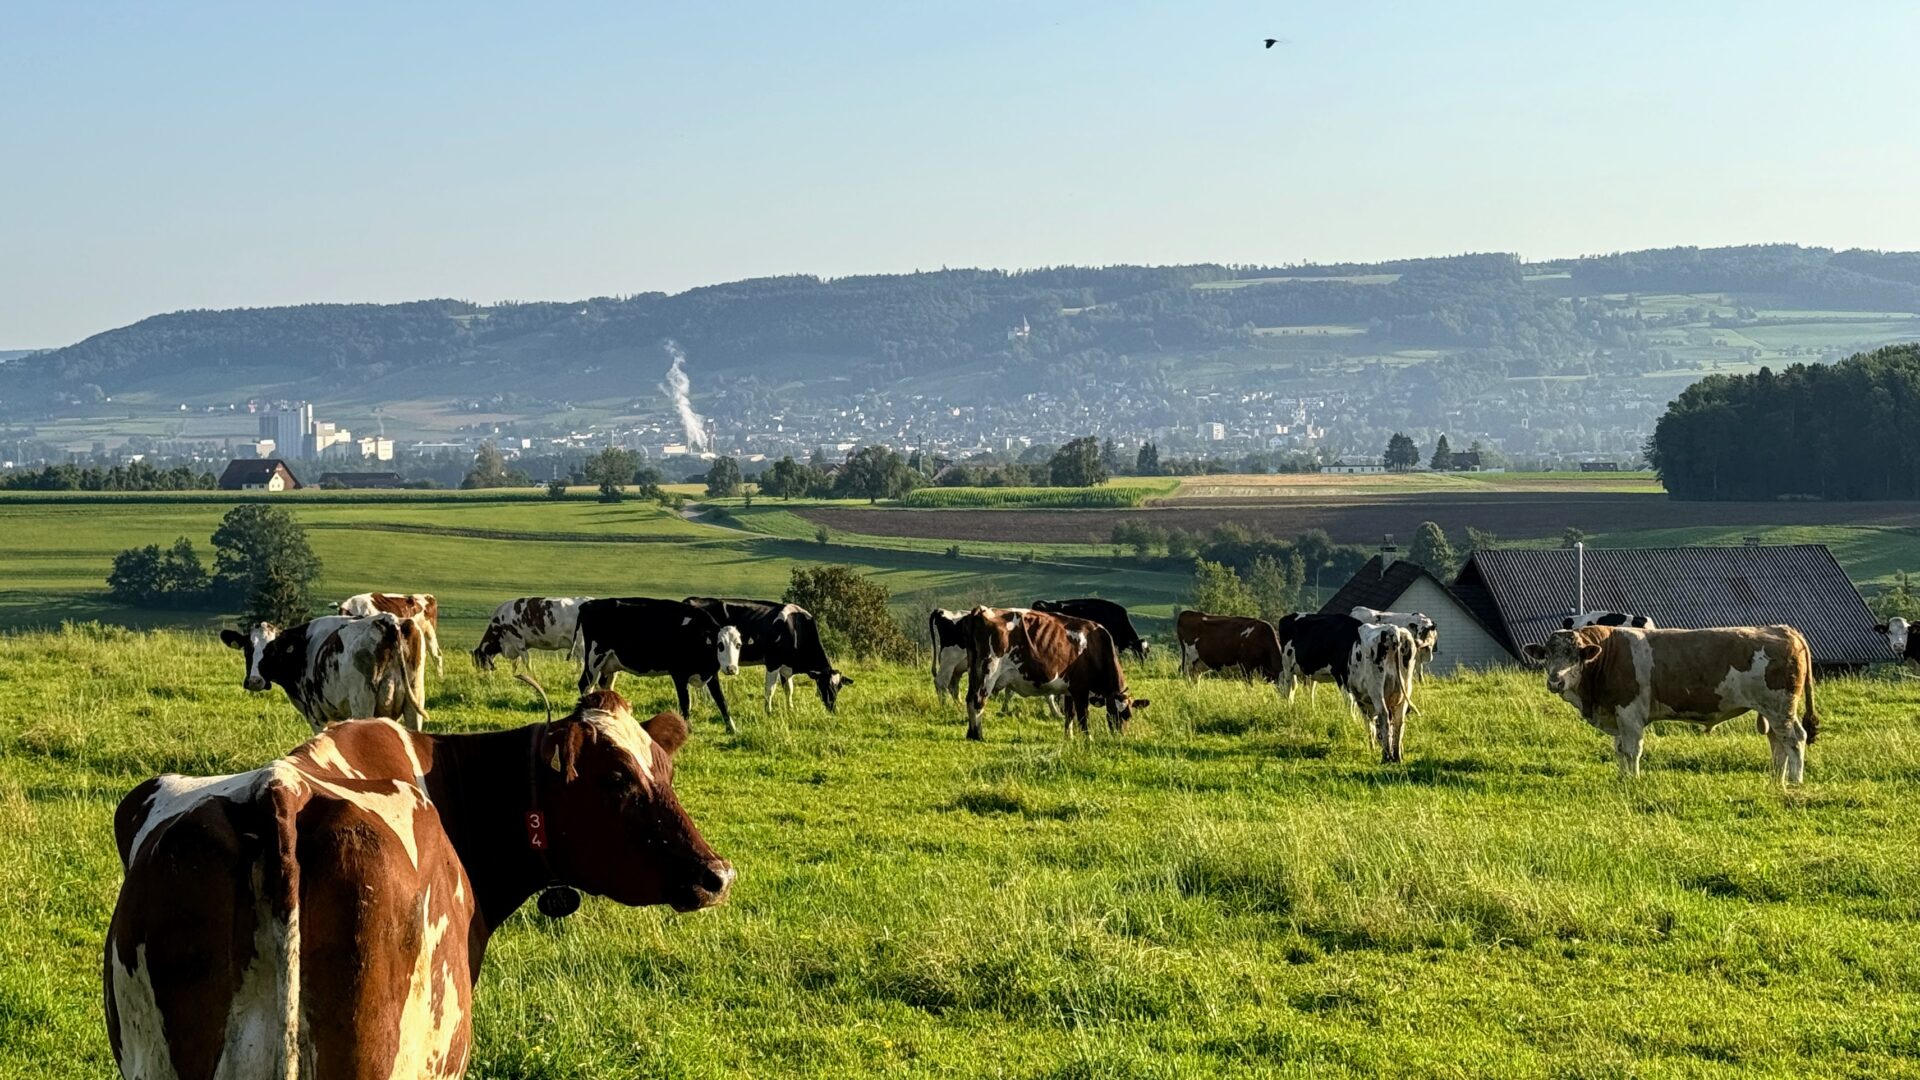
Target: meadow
[[1235, 886]]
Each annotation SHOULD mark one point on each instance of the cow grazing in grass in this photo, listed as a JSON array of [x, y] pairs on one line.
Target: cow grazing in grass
[[1607, 618], [643, 636], [1034, 654], [949, 651], [1108, 614], [1227, 643], [1622, 679], [337, 668], [784, 639], [521, 626], [405, 605], [1900, 636], [326, 915]]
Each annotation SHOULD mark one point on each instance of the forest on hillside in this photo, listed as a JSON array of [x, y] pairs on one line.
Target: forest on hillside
[[1810, 431], [876, 329]]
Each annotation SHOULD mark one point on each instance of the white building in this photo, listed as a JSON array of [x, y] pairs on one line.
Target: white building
[[1213, 432], [1355, 465]]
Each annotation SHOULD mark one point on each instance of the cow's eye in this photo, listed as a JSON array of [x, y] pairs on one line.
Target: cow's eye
[[617, 780]]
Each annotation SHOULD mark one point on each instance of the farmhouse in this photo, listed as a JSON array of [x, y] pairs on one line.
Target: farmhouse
[[1521, 596], [1355, 465], [258, 474], [1389, 583]]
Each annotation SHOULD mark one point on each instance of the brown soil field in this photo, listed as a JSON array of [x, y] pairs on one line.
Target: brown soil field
[[1365, 519]]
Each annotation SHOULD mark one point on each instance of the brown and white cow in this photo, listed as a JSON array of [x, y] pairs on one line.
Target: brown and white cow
[[532, 622], [338, 668], [405, 605], [326, 915], [1227, 643], [1621, 679], [1034, 654]]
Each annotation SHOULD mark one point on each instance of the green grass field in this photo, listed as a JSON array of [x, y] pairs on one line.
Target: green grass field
[[1234, 887]]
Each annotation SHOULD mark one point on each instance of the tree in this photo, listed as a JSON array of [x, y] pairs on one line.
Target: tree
[[1275, 584], [1433, 550], [1147, 461], [262, 560], [1402, 453], [612, 469], [1573, 535], [1901, 599], [724, 480], [135, 578], [489, 468], [852, 611], [1481, 539], [1218, 590], [1442, 456], [1110, 457], [1077, 464], [788, 478], [873, 473], [1139, 536], [556, 489]]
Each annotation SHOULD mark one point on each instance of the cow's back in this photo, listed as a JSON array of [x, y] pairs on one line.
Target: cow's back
[[1722, 671], [295, 914]]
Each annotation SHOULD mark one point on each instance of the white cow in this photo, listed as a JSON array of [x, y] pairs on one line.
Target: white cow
[[1426, 633], [336, 668], [532, 622], [420, 606]]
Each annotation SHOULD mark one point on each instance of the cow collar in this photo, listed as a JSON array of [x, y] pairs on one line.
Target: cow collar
[[557, 900]]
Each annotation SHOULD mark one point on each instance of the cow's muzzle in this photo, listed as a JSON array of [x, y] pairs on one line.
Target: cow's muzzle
[[712, 881], [255, 683]]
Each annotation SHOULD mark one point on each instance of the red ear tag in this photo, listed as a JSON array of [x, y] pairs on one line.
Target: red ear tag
[[536, 830]]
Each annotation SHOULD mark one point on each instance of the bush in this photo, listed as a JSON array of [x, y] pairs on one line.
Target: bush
[[556, 489], [149, 577], [262, 560], [852, 611], [1217, 590], [821, 536], [953, 551]]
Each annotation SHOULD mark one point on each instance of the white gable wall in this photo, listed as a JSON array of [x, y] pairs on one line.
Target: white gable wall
[[1462, 643]]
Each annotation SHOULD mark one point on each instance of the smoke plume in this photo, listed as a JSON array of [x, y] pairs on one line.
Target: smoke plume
[[678, 387]]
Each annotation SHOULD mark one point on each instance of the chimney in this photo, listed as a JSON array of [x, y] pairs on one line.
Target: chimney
[[1388, 553]]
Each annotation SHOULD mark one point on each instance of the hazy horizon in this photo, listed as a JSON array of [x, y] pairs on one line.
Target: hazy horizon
[[223, 156]]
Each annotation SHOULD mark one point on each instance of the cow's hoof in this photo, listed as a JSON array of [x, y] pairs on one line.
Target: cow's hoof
[[975, 735]]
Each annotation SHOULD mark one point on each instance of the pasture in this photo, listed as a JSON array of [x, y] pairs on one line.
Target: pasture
[[1235, 886]]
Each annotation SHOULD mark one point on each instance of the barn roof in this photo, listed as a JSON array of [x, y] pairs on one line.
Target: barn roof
[[244, 471], [1523, 595], [1379, 585]]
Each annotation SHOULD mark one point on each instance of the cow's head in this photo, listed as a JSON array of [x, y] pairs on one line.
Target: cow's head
[[615, 826], [727, 650], [1565, 656], [252, 645], [829, 684], [1121, 707], [488, 650], [1896, 630]]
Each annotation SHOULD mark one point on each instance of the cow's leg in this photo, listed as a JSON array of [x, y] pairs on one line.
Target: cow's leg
[[979, 689], [1628, 742], [786, 683], [720, 702], [1055, 707], [773, 681], [680, 692], [1395, 726]]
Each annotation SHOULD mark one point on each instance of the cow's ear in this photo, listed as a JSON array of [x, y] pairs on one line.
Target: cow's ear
[[1589, 653], [561, 752], [234, 639], [1141, 703], [1535, 653], [1882, 628], [845, 680], [667, 731]]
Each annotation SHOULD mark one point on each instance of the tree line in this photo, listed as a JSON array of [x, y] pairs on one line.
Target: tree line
[[1839, 431], [136, 476]]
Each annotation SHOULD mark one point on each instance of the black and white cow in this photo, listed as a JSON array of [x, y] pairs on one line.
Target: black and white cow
[[784, 639], [645, 636], [1373, 664], [949, 651], [1606, 618], [518, 627], [1316, 649], [1113, 617], [339, 668], [1426, 633], [1900, 635]]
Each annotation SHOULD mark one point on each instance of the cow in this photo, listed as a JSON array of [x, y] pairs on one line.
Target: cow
[[337, 668], [784, 639], [644, 636], [404, 605], [326, 915], [1900, 635], [1621, 679], [532, 622], [1226, 643], [1379, 679], [1426, 633], [1607, 618], [1105, 612], [949, 651], [1034, 654], [1316, 648]]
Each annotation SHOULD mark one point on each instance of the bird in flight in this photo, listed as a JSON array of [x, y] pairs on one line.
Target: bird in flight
[[1272, 41]]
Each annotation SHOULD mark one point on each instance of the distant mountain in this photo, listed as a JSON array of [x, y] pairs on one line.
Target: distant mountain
[[809, 334]]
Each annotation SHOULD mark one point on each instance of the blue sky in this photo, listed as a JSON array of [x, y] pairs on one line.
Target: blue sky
[[161, 156]]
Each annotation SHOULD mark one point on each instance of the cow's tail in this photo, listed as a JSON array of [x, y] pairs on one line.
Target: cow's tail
[[411, 693], [933, 635], [1810, 721], [544, 700]]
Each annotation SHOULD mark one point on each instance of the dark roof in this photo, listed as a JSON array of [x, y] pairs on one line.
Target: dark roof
[[1378, 587], [1523, 595], [1466, 459], [243, 471]]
